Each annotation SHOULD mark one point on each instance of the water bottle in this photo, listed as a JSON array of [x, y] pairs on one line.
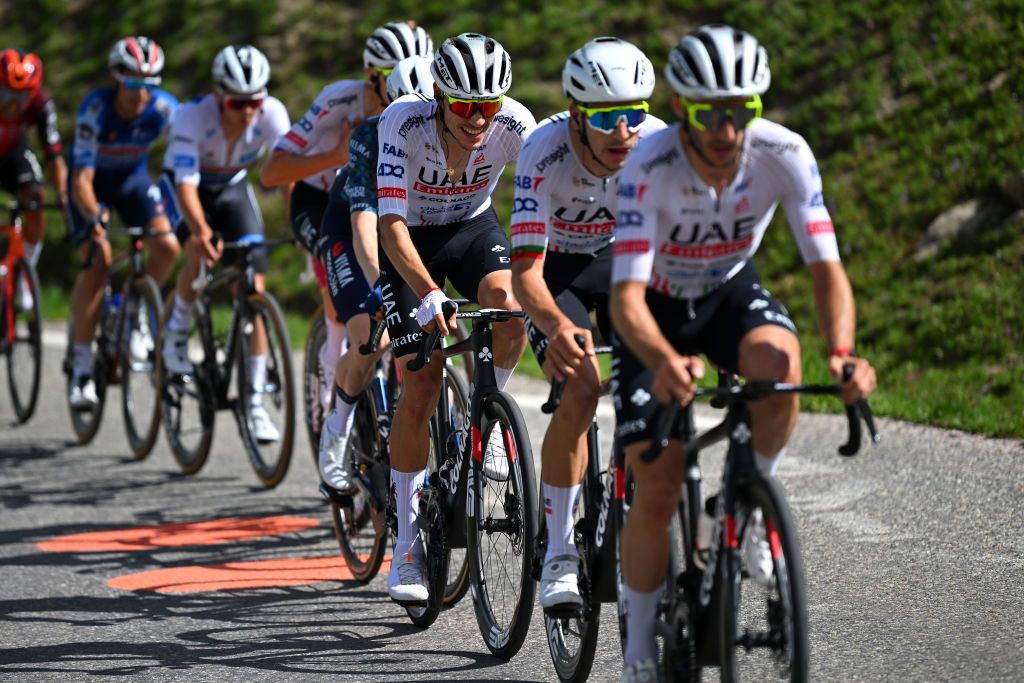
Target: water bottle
[[112, 307]]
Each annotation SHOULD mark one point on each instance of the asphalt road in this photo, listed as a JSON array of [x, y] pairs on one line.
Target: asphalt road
[[914, 554]]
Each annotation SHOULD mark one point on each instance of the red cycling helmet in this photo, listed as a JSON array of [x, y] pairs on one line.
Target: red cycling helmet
[[20, 71]]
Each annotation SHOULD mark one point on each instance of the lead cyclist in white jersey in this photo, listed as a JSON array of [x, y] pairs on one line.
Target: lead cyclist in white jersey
[[317, 146], [562, 224], [694, 202], [438, 162]]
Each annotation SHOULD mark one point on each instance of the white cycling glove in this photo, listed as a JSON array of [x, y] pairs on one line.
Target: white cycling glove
[[431, 306]]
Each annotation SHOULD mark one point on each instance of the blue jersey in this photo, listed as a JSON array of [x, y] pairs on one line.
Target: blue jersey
[[116, 147], [360, 174]]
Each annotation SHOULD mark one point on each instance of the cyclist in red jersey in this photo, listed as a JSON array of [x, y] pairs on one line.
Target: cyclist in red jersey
[[23, 104]]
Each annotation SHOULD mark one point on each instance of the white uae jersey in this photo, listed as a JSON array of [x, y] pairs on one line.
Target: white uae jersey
[[684, 240], [559, 205], [412, 178], [319, 130], [198, 152]]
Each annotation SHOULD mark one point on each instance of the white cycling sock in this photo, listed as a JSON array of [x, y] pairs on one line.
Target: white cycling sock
[[180, 314], [767, 465], [82, 360], [340, 418], [407, 500], [641, 609], [559, 511], [502, 376], [258, 372], [32, 251]]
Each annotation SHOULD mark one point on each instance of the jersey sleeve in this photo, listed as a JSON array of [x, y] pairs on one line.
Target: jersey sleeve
[[530, 208], [182, 155], [166, 105], [636, 226], [392, 169], [804, 203], [307, 131], [361, 183], [278, 121], [87, 132], [46, 123]]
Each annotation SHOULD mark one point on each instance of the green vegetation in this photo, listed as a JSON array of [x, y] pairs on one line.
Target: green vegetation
[[910, 107]]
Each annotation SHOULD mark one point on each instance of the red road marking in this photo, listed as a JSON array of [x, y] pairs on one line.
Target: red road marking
[[172, 535], [239, 575]]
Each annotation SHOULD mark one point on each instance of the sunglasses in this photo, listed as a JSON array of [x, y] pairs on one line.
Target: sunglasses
[[711, 117], [19, 96], [137, 82], [383, 72], [606, 119], [465, 108], [240, 103]]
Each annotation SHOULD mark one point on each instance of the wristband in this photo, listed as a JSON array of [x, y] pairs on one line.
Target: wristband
[[432, 289], [842, 352]]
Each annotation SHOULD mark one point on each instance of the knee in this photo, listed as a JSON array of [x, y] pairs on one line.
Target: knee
[[769, 361], [419, 396], [32, 193], [656, 499], [511, 330], [166, 247], [579, 398]]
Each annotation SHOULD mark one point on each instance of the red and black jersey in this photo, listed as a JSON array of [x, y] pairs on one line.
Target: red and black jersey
[[40, 112]]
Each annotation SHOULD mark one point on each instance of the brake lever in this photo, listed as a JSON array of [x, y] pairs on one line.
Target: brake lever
[[448, 309]]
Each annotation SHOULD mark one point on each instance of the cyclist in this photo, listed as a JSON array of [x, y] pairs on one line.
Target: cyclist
[[439, 162], [215, 138], [117, 126], [562, 224], [317, 146], [24, 103], [348, 247], [694, 202]]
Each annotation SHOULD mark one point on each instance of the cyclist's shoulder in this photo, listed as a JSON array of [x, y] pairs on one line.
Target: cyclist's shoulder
[[656, 151], [163, 103], [776, 147], [652, 124], [515, 117], [97, 101], [547, 145], [406, 114], [344, 93]]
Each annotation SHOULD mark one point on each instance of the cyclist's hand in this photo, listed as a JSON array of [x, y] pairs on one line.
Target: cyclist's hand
[[206, 247], [563, 355], [98, 231], [429, 314], [860, 385], [676, 378], [374, 303]]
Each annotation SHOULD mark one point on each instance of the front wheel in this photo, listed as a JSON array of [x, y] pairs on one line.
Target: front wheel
[[764, 614], [140, 381], [23, 326], [266, 389], [501, 528]]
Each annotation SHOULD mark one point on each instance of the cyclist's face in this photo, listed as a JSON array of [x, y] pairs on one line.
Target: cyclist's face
[[611, 149], [720, 146], [239, 109], [132, 100], [468, 132]]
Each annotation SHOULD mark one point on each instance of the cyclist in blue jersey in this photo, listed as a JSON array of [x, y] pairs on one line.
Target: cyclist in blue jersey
[[348, 248], [117, 125]]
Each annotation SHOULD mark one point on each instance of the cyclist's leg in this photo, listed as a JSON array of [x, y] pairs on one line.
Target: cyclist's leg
[[645, 537], [28, 177], [88, 290], [141, 203]]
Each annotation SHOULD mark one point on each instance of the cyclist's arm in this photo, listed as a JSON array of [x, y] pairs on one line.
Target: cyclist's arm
[[364, 242], [286, 197], [85, 196], [833, 296], [58, 170], [287, 167], [192, 210], [398, 245]]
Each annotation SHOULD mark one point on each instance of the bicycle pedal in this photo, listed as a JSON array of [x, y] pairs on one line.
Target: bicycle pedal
[[567, 611], [335, 496]]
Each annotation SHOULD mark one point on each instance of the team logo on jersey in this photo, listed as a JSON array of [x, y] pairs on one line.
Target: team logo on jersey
[[480, 158], [630, 219], [745, 184], [410, 123], [525, 182], [525, 205], [440, 184], [510, 123], [742, 205], [554, 157], [817, 200], [631, 191], [393, 151], [663, 158], [599, 222], [580, 181], [820, 228], [384, 170], [391, 193]]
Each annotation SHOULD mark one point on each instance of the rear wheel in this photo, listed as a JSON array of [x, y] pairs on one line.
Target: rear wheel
[[24, 341], [270, 451], [764, 622], [140, 381], [501, 531], [188, 402], [313, 410], [458, 403]]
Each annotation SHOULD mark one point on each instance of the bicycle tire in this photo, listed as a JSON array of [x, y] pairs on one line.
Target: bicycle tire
[[458, 563], [179, 394], [680, 657], [786, 614], [573, 665], [279, 385], [313, 413], [360, 525], [142, 291], [29, 336], [504, 638], [86, 423]]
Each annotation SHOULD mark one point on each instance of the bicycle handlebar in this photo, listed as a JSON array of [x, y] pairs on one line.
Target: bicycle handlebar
[[759, 389], [428, 342], [558, 385]]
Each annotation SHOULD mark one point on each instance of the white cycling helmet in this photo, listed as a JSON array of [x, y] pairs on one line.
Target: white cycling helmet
[[471, 66], [137, 55], [395, 41], [411, 75], [716, 62], [241, 70], [608, 70]]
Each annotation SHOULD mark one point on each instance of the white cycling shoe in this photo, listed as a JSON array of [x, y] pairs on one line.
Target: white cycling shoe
[[495, 460], [141, 342], [559, 584], [644, 671], [757, 553], [175, 352], [407, 584], [263, 429], [24, 294], [335, 468], [83, 394]]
